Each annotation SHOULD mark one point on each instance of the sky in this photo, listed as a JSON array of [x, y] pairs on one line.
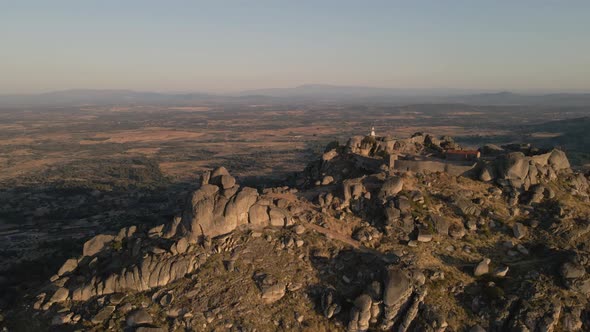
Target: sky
[[228, 46]]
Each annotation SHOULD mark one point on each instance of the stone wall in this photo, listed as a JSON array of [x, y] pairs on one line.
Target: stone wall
[[368, 163], [431, 166]]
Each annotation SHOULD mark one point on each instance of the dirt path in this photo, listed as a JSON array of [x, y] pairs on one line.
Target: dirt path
[[353, 243], [332, 234]]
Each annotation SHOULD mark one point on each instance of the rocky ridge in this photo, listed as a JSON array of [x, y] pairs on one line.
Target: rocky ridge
[[501, 247]]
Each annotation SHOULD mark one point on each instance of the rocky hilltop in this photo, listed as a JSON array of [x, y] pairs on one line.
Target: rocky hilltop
[[413, 234]]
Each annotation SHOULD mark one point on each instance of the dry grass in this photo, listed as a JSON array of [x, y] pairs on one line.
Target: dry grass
[[149, 134], [545, 135], [144, 151], [27, 167], [183, 169], [190, 108], [17, 141]]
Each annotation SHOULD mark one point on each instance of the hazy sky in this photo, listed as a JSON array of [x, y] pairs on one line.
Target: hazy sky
[[232, 45]]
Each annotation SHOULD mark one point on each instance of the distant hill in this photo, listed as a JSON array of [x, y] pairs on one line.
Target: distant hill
[[350, 92], [99, 97], [509, 98], [299, 94], [464, 96]]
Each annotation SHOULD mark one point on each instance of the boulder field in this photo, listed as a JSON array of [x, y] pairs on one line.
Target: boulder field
[[501, 248]]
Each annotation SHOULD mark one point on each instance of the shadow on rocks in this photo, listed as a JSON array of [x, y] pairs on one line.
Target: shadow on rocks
[[344, 276]]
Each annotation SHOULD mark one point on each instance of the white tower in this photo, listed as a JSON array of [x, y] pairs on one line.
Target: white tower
[[372, 134]]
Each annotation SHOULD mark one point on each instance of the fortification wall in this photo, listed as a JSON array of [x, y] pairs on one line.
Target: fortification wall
[[368, 163], [431, 166]]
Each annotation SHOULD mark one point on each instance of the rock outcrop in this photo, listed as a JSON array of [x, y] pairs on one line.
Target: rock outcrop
[[393, 301], [368, 250], [96, 244], [166, 252], [521, 171], [219, 206]]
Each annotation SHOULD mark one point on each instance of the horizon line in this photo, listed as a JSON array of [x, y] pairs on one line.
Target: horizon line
[[226, 93]]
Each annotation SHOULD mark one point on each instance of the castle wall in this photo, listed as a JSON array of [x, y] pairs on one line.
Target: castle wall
[[431, 166], [368, 163]]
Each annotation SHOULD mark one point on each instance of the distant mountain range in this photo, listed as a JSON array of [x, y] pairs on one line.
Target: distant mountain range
[[303, 93], [509, 98], [338, 91], [352, 93], [98, 97]]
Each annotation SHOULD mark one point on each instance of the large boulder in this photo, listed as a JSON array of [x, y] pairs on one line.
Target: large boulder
[[96, 244], [138, 317], [360, 314], [519, 230], [523, 171], [236, 210], [558, 160], [328, 179], [69, 266], [104, 314], [60, 295], [353, 189], [516, 166], [354, 144], [219, 171], [482, 267], [329, 155], [579, 182], [397, 291], [467, 207], [486, 174], [273, 293], [169, 230], [391, 187], [198, 215], [396, 285], [221, 178], [227, 181], [217, 208], [258, 215], [278, 217]]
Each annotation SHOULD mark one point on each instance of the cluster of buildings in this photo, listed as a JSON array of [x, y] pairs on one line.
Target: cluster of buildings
[[421, 152]]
